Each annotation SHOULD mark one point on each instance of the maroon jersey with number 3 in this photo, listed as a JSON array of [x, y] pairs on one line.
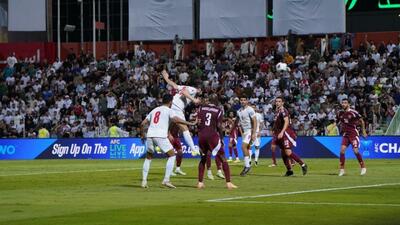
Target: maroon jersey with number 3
[[210, 117]]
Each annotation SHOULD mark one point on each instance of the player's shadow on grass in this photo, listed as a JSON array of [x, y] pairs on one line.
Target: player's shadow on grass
[[264, 175], [184, 177], [136, 186], [327, 174]]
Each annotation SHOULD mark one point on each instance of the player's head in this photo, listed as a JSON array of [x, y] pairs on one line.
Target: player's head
[[213, 99], [279, 102], [345, 104], [244, 101], [167, 100]]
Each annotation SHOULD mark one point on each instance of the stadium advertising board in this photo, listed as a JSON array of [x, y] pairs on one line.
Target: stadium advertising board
[[377, 147]]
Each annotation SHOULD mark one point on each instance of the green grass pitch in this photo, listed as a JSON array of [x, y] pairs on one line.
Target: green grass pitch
[[92, 192]]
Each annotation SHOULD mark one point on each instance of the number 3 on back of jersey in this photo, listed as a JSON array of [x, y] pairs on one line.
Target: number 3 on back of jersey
[[208, 117]]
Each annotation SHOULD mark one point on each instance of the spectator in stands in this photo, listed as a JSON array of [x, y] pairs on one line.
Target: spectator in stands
[[332, 129], [77, 97]]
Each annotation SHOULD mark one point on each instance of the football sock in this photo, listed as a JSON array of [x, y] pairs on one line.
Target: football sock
[[342, 160], [169, 167], [225, 167], [202, 165], [286, 161], [188, 139], [360, 160], [146, 168], [256, 154], [273, 157], [250, 154], [235, 151], [179, 158], [230, 151], [218, 163], [246, 161], [208, 161], [296, 158]]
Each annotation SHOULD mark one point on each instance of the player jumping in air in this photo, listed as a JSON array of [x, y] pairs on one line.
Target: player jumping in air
[[184, 96], [285, 138], [349, 119], [173, 136], [211, 139], [157, 135]]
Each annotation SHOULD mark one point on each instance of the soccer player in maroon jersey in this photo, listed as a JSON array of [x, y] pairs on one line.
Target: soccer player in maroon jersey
[[211, 138], [233, 134], [285, 138], [349, 119], [173, 136]]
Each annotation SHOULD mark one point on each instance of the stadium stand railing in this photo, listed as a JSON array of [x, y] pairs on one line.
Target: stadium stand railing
[[394, 126]]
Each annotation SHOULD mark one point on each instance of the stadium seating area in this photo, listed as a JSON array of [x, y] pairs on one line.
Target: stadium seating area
[[78, 97]]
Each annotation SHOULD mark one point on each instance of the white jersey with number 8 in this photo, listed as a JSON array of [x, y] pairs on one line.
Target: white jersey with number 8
[[159, 121]]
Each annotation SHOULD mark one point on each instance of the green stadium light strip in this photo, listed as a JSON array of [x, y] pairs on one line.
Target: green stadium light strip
[[388, 5], [353, 3]]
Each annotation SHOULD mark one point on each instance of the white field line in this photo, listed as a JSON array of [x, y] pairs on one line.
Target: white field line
[[301, 192], [77, 171], [317, 203], [67, 171]]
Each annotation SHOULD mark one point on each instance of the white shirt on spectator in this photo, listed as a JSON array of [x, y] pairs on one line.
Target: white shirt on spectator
[[259, 91], [183, 77], [11, 61], [10, 81], [212, 75], [244, 48], [375, 56]]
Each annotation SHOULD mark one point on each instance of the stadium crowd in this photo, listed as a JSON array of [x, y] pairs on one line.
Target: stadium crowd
[[81, 97]]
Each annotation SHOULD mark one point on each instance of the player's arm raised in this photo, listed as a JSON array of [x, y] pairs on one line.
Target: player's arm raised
[[175, 86], [165, 75], [285, 126], [187, 95]]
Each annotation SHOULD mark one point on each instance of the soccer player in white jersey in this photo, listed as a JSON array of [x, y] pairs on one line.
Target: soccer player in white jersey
[[184, 96], [257, 141], [157, 135], [247, 121]]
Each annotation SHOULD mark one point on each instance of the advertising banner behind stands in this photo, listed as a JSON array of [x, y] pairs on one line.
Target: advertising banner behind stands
[[379, 147], [36, 51], [309, 16], [27, 15], [160, 19], [232, 19]]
